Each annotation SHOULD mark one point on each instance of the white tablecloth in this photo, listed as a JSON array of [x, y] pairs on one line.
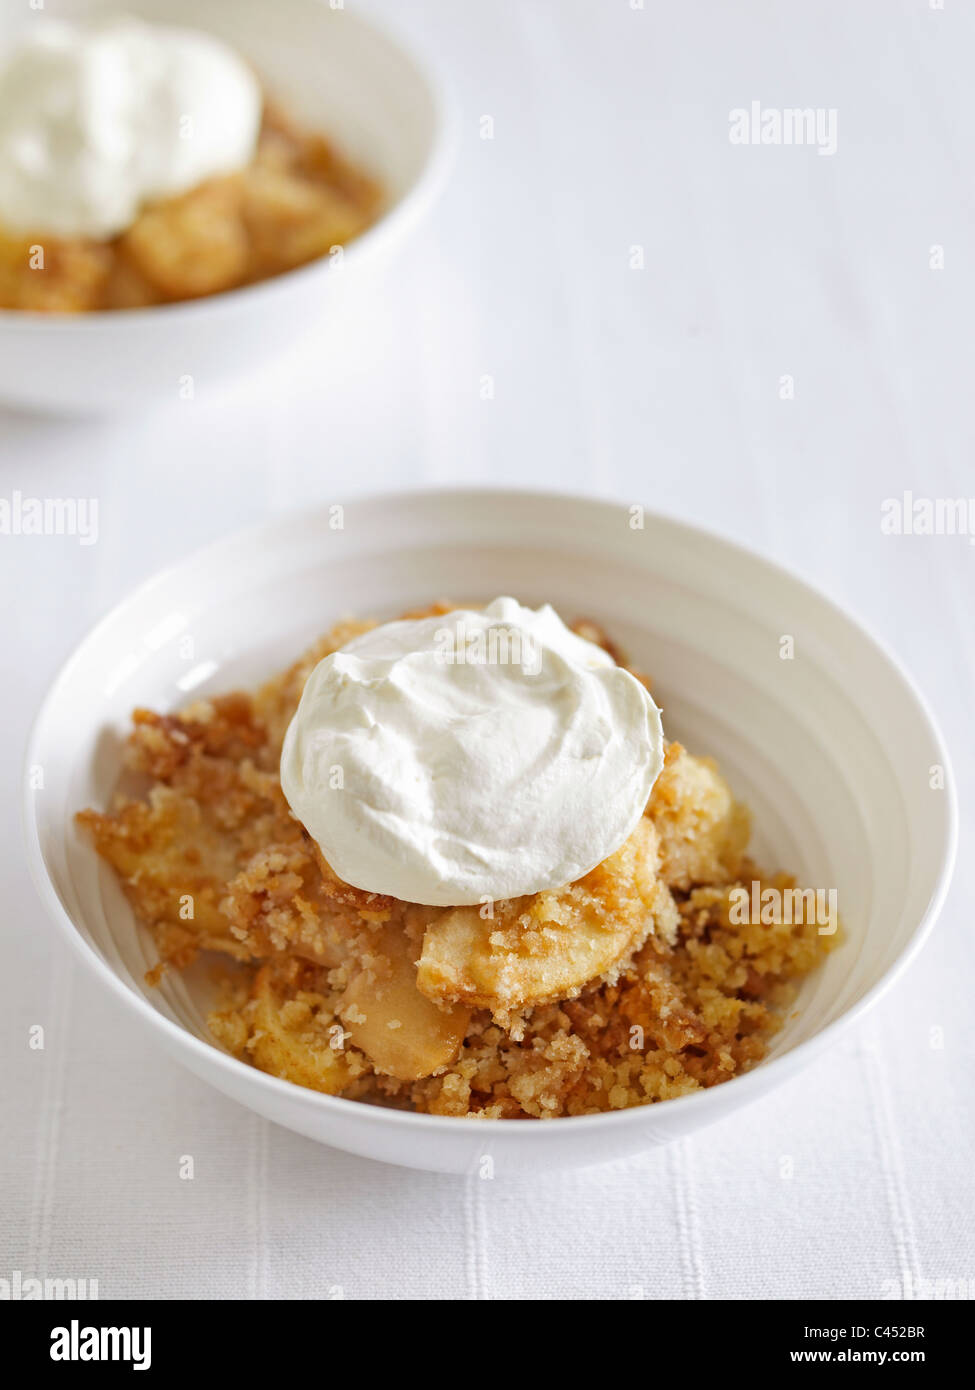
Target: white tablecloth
[[662, 385]]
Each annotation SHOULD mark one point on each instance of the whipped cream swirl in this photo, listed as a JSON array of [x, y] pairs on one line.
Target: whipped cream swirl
[[96, 122], [470, 756]]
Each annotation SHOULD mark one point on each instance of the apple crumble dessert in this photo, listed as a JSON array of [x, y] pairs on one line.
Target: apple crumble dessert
[[141, 165], [630, 984]]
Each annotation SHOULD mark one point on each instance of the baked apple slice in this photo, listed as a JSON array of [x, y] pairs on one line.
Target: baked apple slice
[[403, 1032], [294, 1035], [536, 949], [703, 831]]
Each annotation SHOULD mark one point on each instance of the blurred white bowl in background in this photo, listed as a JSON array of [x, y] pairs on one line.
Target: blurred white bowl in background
[[832, 750], [337, 73]]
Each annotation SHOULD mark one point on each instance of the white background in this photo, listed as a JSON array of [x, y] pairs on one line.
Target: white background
[[660, 386]]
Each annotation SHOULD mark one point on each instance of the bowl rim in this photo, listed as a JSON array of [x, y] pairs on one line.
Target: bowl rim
[[394, 219], [748, 1085]]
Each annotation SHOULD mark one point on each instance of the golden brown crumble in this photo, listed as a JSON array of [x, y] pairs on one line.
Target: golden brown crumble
[[629, 986]]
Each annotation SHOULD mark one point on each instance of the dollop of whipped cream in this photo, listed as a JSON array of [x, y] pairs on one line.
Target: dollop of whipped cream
[[96, 122], [470, 756]]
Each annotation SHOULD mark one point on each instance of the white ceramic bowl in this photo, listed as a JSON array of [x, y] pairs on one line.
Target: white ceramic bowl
[[337, 73], [831, 750]]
